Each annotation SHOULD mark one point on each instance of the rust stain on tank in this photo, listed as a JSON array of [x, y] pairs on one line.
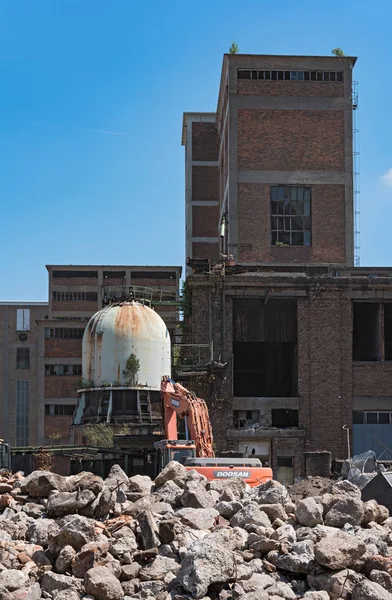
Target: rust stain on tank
[[127, 319]]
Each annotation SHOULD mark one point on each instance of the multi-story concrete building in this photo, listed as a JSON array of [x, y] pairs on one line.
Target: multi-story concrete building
[[21, 371], [41, 343], [305, 335]]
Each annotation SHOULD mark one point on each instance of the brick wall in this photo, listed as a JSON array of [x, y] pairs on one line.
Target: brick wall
[[59, 348], [59, 306], [75, 281], [325, 369], [204, 141], [205, 250], [57, 426], [205, 221], [286, 140], [61, 386], [205, 183], [306, 89], [372, 379], [254, 226]]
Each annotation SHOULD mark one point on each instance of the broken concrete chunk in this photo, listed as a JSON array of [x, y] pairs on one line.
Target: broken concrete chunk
[[148, 530], [273, 492], [174, 471], [207, 561], [102, 584], [64, 559], [339, 550], [369, 590], [39, 484], [347, 510], [309, 513], [158, 568], [202, 518], [250, 517], [140, 483], [196, 496]]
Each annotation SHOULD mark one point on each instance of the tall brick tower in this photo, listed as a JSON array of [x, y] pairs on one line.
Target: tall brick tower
[[270, 176]]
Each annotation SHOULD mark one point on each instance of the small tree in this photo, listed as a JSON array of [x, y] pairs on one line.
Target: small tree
[[338, 52], [100, 434], [131, 370], [234, 48]]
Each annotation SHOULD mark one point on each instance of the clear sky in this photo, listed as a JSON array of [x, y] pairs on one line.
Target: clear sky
[[91, 103]]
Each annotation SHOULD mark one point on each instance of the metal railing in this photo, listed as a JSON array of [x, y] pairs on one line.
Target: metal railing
[[144, 295], [191, 357]]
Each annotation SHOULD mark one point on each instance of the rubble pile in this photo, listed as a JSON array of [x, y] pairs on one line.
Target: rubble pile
[[183, 537]]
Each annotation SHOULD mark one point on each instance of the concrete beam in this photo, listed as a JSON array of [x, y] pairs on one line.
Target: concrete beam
[[287, 103], [292, 177], [264, 403]]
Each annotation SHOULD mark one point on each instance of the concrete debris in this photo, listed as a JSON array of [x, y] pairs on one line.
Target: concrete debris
[[183, 537]]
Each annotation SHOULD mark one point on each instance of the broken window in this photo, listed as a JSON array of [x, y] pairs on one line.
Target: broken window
[[59, 410], [243, 419], [64, 332], [291, 75], [22, 319], [74, 274], [125, 402], [388, 330], [367, 331], [23, 358], [383, 417], [284, 417], [63, 369], [290, 215], [285, 461], [153, 275], [75, 296], [114, 274], [265, 348]]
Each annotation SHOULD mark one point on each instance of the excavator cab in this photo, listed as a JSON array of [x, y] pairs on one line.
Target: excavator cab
[[168, 450]]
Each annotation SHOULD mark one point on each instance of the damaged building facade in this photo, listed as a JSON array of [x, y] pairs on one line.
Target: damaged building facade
[[300, 336]]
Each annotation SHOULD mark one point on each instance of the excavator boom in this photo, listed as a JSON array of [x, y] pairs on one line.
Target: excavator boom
[[177, 400]]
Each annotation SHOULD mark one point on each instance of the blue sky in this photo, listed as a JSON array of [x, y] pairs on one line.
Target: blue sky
[[72, 70]]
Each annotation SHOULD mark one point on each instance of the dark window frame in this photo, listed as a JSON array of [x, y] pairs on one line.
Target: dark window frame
[[68, 370], [64, 333], [291, 215], [279, 75], [23, 358], [371, 340]]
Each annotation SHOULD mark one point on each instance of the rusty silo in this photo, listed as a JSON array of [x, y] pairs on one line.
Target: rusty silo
[[126, 352]]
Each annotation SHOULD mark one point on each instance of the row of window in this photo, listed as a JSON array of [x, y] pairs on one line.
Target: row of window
[[64, 333], [57, 410], [284, 418], [75, 296], [113, 274], [63, 369], [290, 75]]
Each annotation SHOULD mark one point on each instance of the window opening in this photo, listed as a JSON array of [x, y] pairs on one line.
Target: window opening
[[23, 358], [290, 215], [284, 417], [22, 319], [367, 331], [22, 412]]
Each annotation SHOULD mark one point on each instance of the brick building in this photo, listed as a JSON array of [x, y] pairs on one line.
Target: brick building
[[41, 344], [304, 335], [21, 370]]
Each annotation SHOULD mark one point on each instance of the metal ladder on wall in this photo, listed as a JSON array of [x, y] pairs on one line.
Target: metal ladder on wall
[[145, 407]]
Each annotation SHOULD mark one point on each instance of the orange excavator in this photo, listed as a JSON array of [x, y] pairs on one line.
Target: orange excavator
[[196, 451]]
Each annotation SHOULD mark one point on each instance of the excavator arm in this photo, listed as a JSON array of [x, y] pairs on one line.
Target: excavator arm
[[177, 400]]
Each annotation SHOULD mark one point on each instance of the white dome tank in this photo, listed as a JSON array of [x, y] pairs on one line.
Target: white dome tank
[[116, 332]]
